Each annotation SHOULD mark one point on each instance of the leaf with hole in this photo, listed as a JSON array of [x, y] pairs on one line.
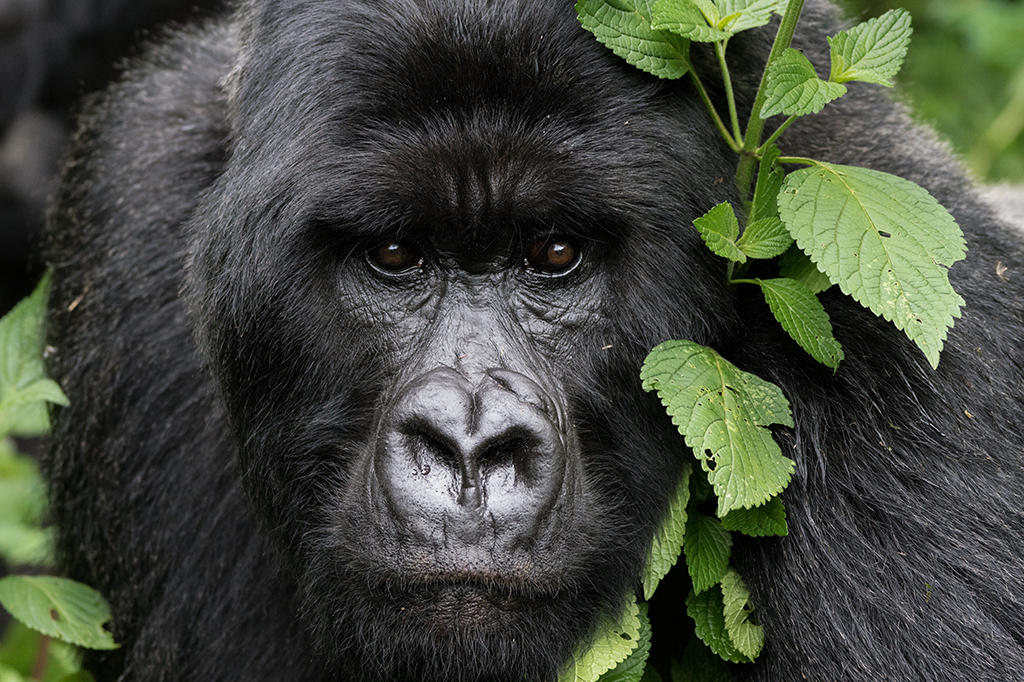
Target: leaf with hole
[[884, 240], [746, 636], [617, 637], [708, 613], [58, 607], [723, 413], [632, 669]]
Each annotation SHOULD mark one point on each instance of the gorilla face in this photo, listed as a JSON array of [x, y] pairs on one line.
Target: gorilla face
[[426, 281]]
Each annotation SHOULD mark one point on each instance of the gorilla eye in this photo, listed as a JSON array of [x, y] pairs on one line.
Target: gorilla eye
[[552, 256], [394, 256]]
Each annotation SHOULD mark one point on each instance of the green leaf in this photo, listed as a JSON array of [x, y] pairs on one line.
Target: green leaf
[[795, 264], [684, 18], [793, 88], [803, 317], [624, 26], [884, 240], [668, 541], [22, 647], [740, 15], [60, 608], [747, 637], [769, 183], [707, 21], [80, 676], [719, 229], [873, 51], [633, 668], [708, 547], [23, 386], [722, 412], [768, 519], [699, 664], [615, 641], [708, 613], [765, 238]]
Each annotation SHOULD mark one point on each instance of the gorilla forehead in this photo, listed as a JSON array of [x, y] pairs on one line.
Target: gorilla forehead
[[473, 117]]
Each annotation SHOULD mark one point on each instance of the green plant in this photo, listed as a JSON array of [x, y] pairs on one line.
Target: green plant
[[883, 240], [53, 614]]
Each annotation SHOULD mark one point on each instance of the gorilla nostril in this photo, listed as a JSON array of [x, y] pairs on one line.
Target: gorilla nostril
[[514, 451], [426, 446]]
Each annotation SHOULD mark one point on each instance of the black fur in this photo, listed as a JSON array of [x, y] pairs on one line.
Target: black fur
[[236, 365]]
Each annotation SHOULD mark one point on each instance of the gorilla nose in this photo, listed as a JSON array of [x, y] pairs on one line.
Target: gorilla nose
[[471, 458]]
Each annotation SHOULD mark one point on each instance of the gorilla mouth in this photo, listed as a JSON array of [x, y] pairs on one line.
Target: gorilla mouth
[[467, 593], [453, 605]]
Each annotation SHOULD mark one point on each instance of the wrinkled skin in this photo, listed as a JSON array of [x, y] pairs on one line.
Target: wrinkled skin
[[350, 303]]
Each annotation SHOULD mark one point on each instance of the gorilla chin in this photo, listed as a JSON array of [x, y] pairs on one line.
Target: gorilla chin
[[462, 569]]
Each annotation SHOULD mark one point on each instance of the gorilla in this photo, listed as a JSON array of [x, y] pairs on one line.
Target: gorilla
[[350, 301]]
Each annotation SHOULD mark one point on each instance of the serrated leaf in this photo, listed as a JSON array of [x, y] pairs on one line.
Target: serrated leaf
[[803, 317], [884, 240], [719, 229], [795, 264], [768, 186], [23, 386], [765, 238], [873, 51], [633, 668], [768, 519], [624, 26], [616, 639], [793, 88], [61, 608], [708, 547], [699, 664], [707, 21], [708, 613], [668, 540], [722, 412], [747, 637], [684, 18]]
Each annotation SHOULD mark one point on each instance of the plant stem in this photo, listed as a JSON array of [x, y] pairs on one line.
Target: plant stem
[[733, 142], [755, 126], [797, 159], [730, 96], [774, 136]]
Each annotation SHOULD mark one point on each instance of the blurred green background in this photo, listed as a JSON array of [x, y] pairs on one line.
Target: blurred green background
[[964, 75]]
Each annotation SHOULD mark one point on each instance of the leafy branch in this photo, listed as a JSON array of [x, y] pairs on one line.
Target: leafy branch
[[883, 240]]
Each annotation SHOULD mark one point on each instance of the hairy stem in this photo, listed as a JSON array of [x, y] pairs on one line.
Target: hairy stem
[[733, 142], [730, 96]]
